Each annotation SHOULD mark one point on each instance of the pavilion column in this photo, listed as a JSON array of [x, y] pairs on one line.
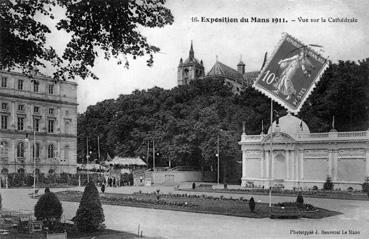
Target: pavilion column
[[262, 164], [244, 163], [335, 164], [330, 156], [297, 165], [367, 163], [292, 165], [301, 157], [288, 164], [267, 158]]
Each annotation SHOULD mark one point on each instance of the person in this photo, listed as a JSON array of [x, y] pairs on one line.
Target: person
[[103, 188], [289, 67], [110, 181], [114, 181]]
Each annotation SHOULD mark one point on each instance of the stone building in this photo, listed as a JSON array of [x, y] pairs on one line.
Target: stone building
[[304, 159], [38, 121], [191, 69]]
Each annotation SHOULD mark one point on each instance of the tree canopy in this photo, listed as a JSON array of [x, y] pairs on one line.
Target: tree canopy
[[111, 28], [185, 121]]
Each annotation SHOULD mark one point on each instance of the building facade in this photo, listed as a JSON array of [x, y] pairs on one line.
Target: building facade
[[38, 125], [301, 159]]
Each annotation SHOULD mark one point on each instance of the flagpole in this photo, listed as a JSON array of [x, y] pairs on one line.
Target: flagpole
[[271, 156]]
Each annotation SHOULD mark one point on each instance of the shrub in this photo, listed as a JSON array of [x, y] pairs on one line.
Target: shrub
[[300, 200], [365, 185], [315, 187], [328, 185], [252, 204], [49, 210], [90, 214]]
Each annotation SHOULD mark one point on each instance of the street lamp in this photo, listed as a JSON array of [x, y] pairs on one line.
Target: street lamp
[[217, 154]]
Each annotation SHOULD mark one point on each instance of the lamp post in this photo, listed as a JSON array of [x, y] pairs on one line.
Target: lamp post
[[34, 162], [218, 158]]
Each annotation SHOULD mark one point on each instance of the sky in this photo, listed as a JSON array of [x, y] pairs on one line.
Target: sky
[[228, 41]]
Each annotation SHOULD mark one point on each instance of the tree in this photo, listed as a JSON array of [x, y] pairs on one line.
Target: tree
[[90, 214], [110, 28], [328, 185], [300, 200], [49, 209]]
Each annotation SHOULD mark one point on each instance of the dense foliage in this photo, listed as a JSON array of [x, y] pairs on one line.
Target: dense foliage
[[186, 121], [110, 28], [90, 214], [49, 209]]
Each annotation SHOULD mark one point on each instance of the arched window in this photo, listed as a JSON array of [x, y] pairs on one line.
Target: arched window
[[51, 151], [37, 153], [20, 150], [3, 150], [66, 153]]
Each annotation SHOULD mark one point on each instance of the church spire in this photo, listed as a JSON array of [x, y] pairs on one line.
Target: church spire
[[192, 54]]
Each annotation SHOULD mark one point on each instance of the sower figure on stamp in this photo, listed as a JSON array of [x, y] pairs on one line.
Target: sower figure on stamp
[[289, 67]]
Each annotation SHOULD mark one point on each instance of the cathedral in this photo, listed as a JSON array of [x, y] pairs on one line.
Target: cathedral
[[192, 69]]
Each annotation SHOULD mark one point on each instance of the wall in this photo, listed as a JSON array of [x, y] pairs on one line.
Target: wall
[[175, 177]]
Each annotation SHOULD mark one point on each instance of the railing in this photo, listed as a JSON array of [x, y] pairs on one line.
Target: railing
[[315, 136]]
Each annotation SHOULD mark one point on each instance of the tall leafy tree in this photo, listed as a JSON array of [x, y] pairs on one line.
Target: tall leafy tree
[[110, 28]]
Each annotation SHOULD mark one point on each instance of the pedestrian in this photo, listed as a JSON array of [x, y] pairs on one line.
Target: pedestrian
[[114, 182], [103, 188], [110, 182]]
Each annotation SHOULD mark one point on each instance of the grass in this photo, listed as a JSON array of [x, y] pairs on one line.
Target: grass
[[189, 203]]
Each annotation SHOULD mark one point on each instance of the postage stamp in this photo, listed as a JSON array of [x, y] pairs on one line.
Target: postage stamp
[[290, 74]]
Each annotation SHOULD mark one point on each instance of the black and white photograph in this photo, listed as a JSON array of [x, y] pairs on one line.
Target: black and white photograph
[[181, 119]]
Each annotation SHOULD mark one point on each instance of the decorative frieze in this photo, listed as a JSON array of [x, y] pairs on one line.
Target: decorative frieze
[[316, 153], [351, 153]]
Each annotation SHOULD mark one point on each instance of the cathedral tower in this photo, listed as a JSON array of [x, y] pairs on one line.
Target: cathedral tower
[[190, 69]]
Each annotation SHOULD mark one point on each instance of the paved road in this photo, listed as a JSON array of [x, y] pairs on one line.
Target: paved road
[[174, 224]]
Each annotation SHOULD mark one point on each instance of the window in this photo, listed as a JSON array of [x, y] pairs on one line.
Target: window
[[36, 109], [20, 150], [4, 122], [36, 124], [66, 153], [4, 82], [50, 151], [51, 89], [20, 123], [20, 84], [67, 127], [37, 153], [51, 111], [35, 86], [50, 127], [4, 106], [21, 107], [3, 150]]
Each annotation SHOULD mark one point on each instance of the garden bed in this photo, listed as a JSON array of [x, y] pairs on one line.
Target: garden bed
[[344, 195], [189, 203]]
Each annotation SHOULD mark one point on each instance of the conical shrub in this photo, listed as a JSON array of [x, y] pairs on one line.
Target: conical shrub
[[90, 214]]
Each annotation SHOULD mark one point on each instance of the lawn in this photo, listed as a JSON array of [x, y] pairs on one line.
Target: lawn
[[191, 203]]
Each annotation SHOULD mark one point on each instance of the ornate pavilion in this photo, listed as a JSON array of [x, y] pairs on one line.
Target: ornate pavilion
[[304, 159]]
